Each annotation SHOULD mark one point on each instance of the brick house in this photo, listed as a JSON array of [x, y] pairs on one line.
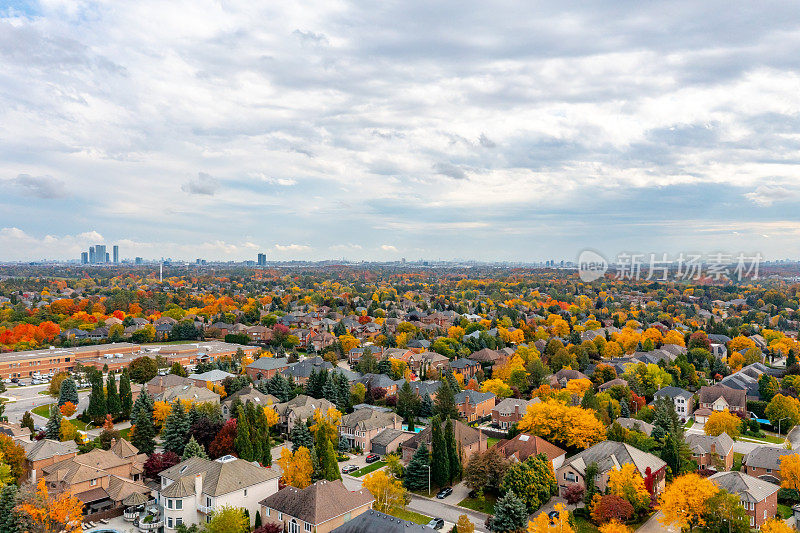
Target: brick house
[[473, 405], [523, 446], [758, 497], [466, 367], [710, 452], [720, 397], [609, 455], [159, 384], [43, 453], [510, 411], [266, 367], [470, 440], [362, 425], [764, 462]]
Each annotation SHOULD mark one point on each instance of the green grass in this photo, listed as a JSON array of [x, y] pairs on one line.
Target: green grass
[[769, 438], [79, 424], [42, 410], [785, 511], [737, 461], [485, 506], [689, 424], [411, 516], [369, 468], [582, 525], [124, 433], [491, 441]]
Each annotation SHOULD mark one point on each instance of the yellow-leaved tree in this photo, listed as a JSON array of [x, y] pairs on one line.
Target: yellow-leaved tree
[[790, 472], [541, 524], [723, 422], [774, 525], [627, 483], [297, 467], [563, 425], [684, 501], [614, 527], [388, 492], [51, 514]]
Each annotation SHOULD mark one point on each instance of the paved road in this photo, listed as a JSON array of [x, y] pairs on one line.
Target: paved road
[[26, 398], [654, 526]]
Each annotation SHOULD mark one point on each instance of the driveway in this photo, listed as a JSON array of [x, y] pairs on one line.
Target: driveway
[[654, 526]]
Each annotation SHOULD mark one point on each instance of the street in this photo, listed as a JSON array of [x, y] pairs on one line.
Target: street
[[21, 399]]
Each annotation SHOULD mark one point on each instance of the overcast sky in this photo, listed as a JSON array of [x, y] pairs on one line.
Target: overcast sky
[[379, 130]]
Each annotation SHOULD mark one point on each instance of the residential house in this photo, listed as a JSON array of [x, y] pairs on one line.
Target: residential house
[[474, 405], [266, 367], [389, 440], [609, 455], [510, 411], [301, 370], [246, 395], [746, 379], [159, 384], [354, 355], [429, 387], [212, 377], [487, 357], [188, 392], [300, 409], [634, 424], [720, 398], [470, 440], [372, 520], [372, 381], [758, 497], [764, 462], [320, 341], [564, 376], [362, 425], [612, 383], [681, 398], [711, 452], [466, 367], [319, 508], [523, 446], [15, 430], [192, 490], [40, 454], [420, 363]]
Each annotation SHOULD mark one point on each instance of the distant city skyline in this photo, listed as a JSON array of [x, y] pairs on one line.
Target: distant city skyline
[[519, 131]]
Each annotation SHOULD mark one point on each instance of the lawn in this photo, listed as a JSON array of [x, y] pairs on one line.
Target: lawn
[[582, 525], [485, 506], [785, 511], [491, 441], [42, 410], [689, 424], [123, 433], [369, 468], [80, 424], [411, 516], [737, 461], [768, 438]]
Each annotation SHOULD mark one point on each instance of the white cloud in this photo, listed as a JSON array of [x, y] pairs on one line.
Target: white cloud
[[292, 247], [45, 187], [203, 184], [388, 248]]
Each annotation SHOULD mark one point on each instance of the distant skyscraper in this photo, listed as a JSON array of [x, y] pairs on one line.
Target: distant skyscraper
[[108, 258], [262, 259], [100, 253], [116, 253], [84, 257], [91, 255], [138, 261]]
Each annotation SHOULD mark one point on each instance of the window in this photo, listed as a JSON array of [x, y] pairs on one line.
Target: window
[[178, 504], [93, 482], [308, 526], [245, 492], [178, 521], [752, 521], [169, 522], [169, 504], [208, 501], [280, 516]]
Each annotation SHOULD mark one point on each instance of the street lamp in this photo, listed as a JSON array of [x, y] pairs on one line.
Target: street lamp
[[779, 425], [429, 479]]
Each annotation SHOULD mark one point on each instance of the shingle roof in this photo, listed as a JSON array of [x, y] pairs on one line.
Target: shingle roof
[[269, 363], [188, 392], [633, 424], [46, 448], [465, 435], [319, 502], [609, 454], [672, 392], [523, 446], [474, 397], [219, 477], [366, 419], [212, 375], [767, 457], [702, 443], [748, 487], [372, 520], [387, 436], [732, 396]]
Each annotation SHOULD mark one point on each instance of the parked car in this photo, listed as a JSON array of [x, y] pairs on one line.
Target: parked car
[[349, 468], [371, 458], [14, 380], [553, 516], [7, 380], [436, 523], [444, 493]]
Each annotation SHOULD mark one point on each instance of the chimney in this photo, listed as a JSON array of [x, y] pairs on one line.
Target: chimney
[[198, 488]]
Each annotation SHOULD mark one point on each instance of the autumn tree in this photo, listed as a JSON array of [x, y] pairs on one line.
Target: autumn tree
[[790, 471], [228, 519], [463, 524], [684, 501], [723, 422], [68, 409], [561, 524], [13, 455], [532, 480], [614, 527], [776, 525], [627, 483], [610, 507], [563, 425], [785, 409], [389, 494], [50, 514], [297, 467]]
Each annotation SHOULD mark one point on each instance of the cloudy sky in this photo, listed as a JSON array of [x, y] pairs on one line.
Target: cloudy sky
[[379, 130]]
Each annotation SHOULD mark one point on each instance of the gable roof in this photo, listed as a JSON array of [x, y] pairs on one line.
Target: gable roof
[[634, 423], [609, 454], [269, 363], [473, 397], [319, 502], [464, 434], [366, 419], [735, 397], [221, 476], [46, 448], [748, 487], [188, 392], [672, 392], [523, 446], [766, 457], [372, 520], [699, 443]]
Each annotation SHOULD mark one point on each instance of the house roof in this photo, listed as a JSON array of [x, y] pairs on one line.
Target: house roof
[[251, 394], [465, 435], [473, 397], [633, 424], [372, 520], [388, 435], [319, 502], [508, 405], [367, 419], [767, 457], [269, 363], [486, 356], [168, 381], [748, 487], [702, 443], [523, 446], [212, 375], [609, 454], [735, 397], [672, 392], [222, 476], [463, 363], [303, 369], [46, 448], [188, 392]]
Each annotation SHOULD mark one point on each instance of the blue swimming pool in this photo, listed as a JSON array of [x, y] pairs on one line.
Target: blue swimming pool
[[417, 429]]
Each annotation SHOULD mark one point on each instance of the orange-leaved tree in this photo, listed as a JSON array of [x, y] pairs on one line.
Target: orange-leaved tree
[[47, 514]]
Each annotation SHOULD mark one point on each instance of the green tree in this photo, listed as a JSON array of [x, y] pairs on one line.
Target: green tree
[[440, 460], [445, 402], [125, 394], [193, 449], [10, 520], [143, 369], [532, 480], [113, 402], [144, 433], [407, 402], [301, 436], [53, 427], [27, 422], [97, 400], [143, 401], [227, 519], [509, 513], [725, 514], [177, 370], [176, 427], [453, 455], [426, 406], [68, 392], [768, 387], [244, 447], [417, 471], [278, 387]]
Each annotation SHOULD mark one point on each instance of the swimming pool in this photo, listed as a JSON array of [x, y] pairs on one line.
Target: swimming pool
[[417, 429]]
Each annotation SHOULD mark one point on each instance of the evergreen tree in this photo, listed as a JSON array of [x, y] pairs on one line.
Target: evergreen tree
[[125, 394], [510, 513], [671, 454], [426, 406], [301, 436], [591, 484], [440, 461], [244, 447], [624, 410], [97, 400], [266, 450], [10, 519], [257, 523], [27, 422], [416, 476], [278, 387], [193, 449], [445, 401], [176, 427], [407, 402], [53, 427], [327, 460], [68, 392], [113, 402], [588, 401], [145, 433], [344, 401], [329, 390], [454, 458], [143, 401], [344, 446]]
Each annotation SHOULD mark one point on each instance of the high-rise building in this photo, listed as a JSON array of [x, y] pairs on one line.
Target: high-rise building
[[262, 259], [84, 257], [116, 253], [108, 258], [92, 255], [138, 261], [100, 253]]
